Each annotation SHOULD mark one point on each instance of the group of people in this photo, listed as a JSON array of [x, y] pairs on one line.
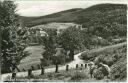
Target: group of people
[[99, 70]]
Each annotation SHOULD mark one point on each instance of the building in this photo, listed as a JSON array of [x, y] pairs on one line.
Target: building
[[41, 33]]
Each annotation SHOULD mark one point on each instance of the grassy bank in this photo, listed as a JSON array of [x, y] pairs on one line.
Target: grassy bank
[[114, 56], [96, 52]]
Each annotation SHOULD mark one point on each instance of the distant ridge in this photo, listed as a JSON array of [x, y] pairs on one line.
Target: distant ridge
[[73, 15]]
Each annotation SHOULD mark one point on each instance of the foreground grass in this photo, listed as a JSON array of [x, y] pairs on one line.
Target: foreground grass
[[72, 75]]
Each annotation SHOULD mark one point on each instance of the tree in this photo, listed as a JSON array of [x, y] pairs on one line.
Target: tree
[[53, 53], [50, 43], [12, 37], [70, 40], [59, 57], [86, 39], [49, 48]]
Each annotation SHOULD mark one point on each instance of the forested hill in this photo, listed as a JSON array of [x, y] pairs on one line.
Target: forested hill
[[105, 19], [63, 16], [75, 15], [101, 20]]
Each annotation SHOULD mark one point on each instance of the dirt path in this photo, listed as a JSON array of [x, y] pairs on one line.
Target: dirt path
[[72, 64]]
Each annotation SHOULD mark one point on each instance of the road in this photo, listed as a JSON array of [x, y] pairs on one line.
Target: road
[[72, 64]]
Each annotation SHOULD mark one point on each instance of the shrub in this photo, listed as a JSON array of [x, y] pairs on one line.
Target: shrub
[[119, 70], [108, 60], [78, 76], [97, 73]]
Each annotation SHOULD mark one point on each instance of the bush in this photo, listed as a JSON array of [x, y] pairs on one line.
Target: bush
[[79, 76], [98, 74], [87, 56], [108, 60], [119, 70]]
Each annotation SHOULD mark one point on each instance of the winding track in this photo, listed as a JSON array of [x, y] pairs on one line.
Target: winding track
[[72, 64]]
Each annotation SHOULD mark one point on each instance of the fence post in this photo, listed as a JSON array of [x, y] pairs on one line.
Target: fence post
[[42, 70], [85, 65], [81, 66], [13, 75], [76, 66], [38, 66], [29, 72], [56, 70], [67, 67], [32, 67]]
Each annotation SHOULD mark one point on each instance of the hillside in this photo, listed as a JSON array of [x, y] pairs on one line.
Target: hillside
[[63, 16], [114, 56], [73, 15], [105, 20]]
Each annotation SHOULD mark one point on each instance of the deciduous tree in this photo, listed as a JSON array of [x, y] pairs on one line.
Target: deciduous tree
[[70, 40], [12, 41]]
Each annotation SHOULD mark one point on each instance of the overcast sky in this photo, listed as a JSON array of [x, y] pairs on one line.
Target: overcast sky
[[40, 8]]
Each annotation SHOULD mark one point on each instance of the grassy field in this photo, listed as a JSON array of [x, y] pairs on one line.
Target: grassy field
[[33, 59]]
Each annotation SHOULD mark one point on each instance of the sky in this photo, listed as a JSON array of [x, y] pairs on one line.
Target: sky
[[41, 8]]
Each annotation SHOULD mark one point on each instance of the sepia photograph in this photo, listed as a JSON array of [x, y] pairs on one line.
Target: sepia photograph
[[63, 40]]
